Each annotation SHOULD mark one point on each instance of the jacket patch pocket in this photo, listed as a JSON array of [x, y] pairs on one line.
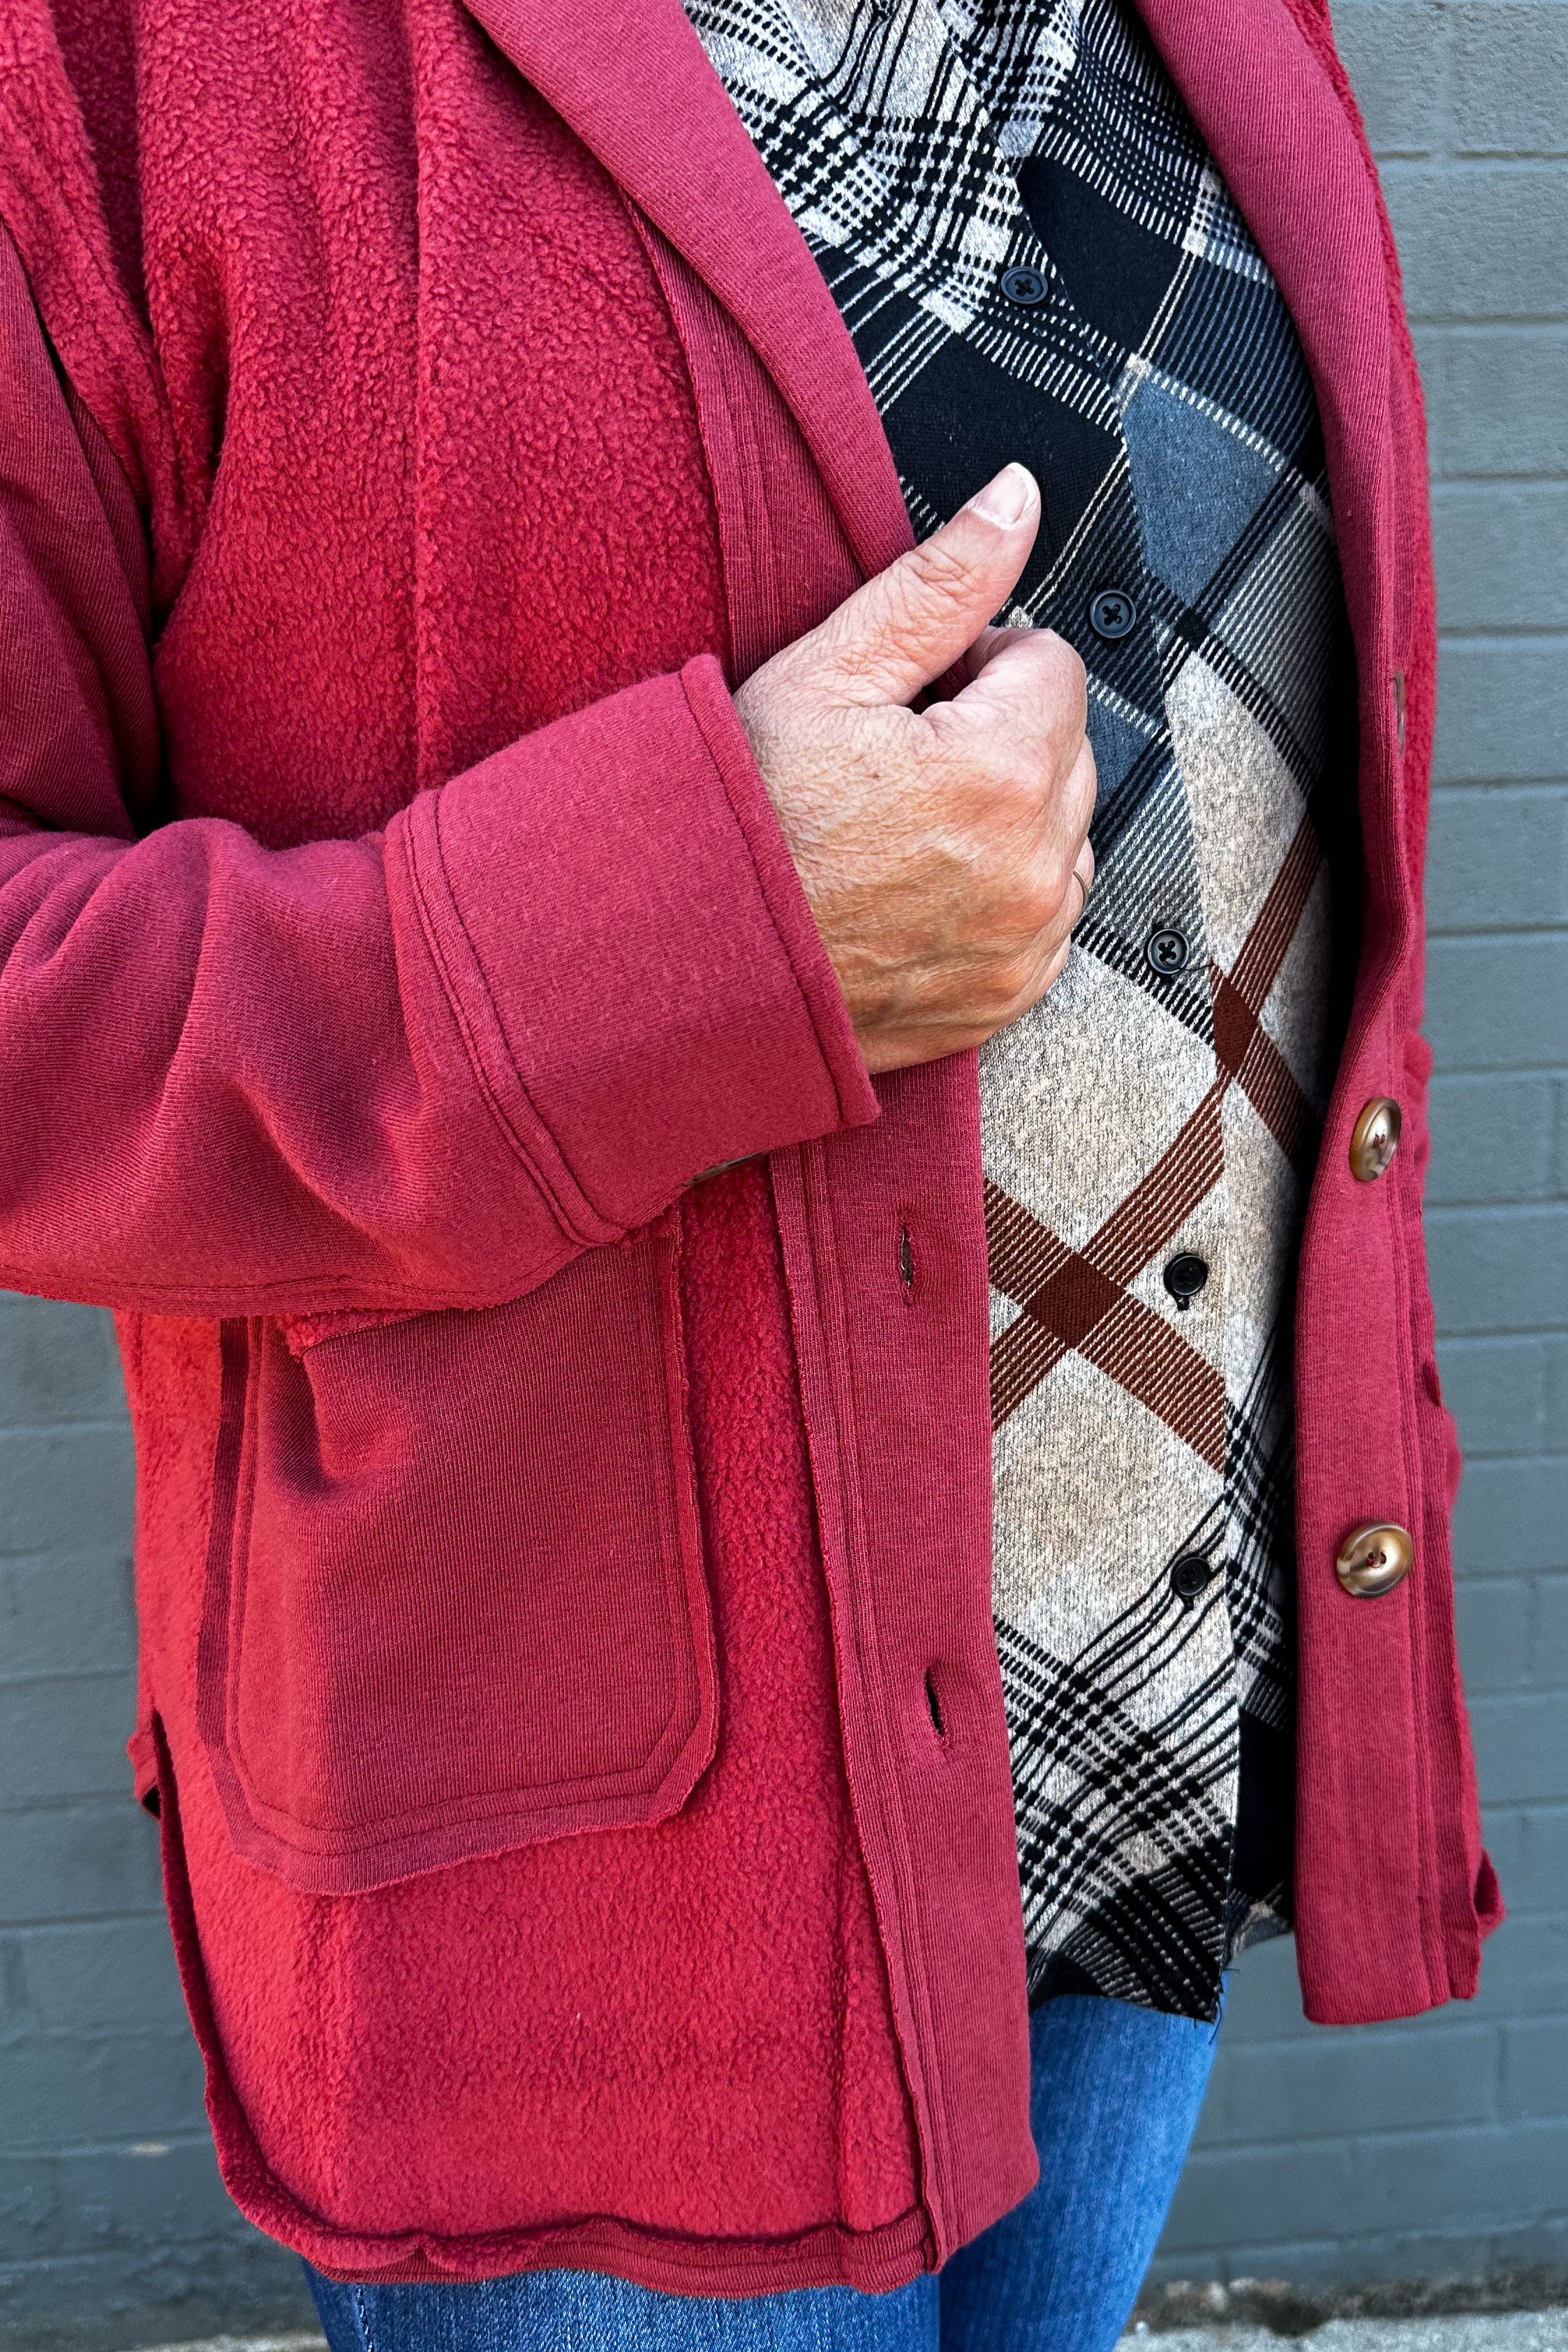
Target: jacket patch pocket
[[455, 1599]]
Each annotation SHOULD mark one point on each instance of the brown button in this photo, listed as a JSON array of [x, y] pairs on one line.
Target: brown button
[[1374, 1559], [1374, 1139]]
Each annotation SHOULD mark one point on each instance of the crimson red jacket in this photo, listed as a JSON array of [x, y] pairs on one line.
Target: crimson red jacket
[[409, 419]]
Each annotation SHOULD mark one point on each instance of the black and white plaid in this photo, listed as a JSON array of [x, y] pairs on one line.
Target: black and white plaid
[[1037, 258]]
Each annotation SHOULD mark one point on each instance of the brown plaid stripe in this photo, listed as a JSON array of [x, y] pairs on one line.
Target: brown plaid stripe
[[1243, 1047], [1078, 1299]]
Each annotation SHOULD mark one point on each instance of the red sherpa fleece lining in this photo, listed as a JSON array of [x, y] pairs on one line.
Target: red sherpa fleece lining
[[756, 2083]]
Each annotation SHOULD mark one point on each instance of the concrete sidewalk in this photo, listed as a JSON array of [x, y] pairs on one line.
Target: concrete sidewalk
[[1469, 2331], [1510, 2331]]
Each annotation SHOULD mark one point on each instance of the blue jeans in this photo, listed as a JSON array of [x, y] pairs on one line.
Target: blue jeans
[[1114, 2095]]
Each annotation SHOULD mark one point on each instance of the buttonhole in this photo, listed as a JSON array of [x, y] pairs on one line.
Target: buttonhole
[[906, 1259], [935, 1705]]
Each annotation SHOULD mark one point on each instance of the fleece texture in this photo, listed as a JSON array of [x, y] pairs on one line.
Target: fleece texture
[[567, 1671], [726, 2068]]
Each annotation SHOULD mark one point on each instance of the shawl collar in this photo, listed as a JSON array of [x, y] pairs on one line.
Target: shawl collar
[[633, 80]]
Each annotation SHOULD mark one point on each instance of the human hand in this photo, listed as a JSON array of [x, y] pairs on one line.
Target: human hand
[[944, 852]]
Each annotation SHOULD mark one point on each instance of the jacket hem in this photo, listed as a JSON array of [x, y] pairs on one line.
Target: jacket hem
[[874, 2261]]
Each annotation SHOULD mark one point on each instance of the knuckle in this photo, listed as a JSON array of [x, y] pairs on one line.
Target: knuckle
[[1058, 663], [1018, 778], [1086, 773], [1016, 799], [1069, 700], [1067, 667], [1053, 888], [1038, 906], [852, 652], [900, 630], [992, 783], [1057, 703], [1078, 824], [1013, 982], [937, 567]]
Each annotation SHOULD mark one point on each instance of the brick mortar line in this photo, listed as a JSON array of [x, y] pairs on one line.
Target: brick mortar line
[[1463, 640], [1474, 1207], [118, 1426]]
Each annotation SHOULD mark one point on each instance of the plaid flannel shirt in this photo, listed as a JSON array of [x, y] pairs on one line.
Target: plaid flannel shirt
[[1037, 258]]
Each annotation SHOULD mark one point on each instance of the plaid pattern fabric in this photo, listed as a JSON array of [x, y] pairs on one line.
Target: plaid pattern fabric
[[1037, 258]]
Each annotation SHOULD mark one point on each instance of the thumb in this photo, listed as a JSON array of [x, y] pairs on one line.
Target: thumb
[[913, 621]]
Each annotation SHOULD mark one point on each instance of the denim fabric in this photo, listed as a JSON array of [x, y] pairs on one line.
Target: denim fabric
[[1113, 2102], [1114, 2096], [579, 2310]]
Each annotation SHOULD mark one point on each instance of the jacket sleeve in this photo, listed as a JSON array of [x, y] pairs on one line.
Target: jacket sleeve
[[425, 1068]]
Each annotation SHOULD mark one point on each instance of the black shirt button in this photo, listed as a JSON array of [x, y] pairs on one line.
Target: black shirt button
[[1112, 614], [1190, 1574], [1021, 284], [1186, 1277], [1167, 949]]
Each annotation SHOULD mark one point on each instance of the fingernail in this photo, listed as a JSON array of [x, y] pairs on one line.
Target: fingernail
[[1008, 499]]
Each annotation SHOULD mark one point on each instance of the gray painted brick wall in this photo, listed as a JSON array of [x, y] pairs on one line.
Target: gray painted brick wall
[[1439, 2145], [1442, 2144]]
